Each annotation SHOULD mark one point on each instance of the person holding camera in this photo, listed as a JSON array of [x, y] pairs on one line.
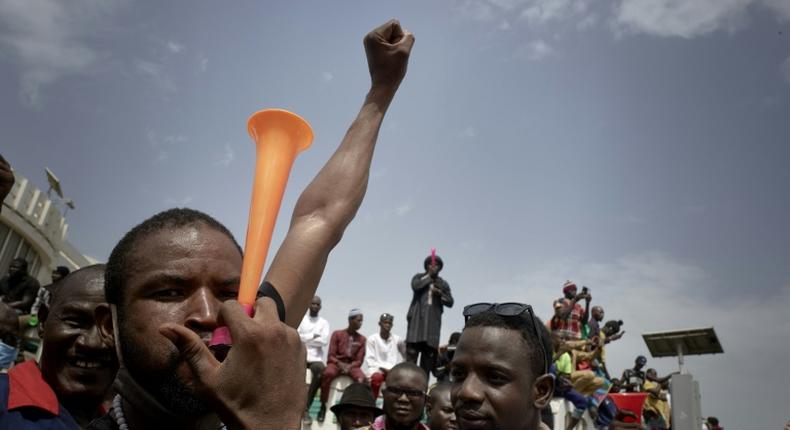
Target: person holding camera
[[569, 316]]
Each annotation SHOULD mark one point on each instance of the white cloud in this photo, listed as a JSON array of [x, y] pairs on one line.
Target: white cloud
[[537, 50], [228, 155], [174, 47], [202, 62], [468, 133], [157, 73], [780, 7], [785, 68], [680, 18], [404, 209], [477, 10], [683, 18], [46, 39], [327, 76], [161, 144], [170, 201], [539, 12], [665, 18]]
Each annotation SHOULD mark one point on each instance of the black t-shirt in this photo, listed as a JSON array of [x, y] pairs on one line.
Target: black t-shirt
[[634, 377], [14, 290]]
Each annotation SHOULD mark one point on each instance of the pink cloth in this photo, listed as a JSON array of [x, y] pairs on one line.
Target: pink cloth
[[381, 424]]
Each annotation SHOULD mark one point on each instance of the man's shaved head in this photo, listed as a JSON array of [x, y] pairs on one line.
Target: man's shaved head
[[87, 276]]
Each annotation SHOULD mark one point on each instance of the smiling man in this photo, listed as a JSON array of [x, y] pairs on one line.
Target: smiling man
[[171, 281], [500, 369], [77, 365], [404, 398]]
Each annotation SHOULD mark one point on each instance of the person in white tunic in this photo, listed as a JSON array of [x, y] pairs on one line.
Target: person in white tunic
[[383, 351], [314, 332]]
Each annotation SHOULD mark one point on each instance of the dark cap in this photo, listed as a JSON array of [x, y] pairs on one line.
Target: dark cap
[[357, 395], [641, 359]]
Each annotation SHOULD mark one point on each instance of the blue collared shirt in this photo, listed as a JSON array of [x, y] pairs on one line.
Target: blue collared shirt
[[27, 402]]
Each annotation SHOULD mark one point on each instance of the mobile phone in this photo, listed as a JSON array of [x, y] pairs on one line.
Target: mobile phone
[[585, 290]]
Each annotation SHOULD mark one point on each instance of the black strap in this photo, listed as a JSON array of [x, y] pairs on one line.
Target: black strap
[[268, 290]]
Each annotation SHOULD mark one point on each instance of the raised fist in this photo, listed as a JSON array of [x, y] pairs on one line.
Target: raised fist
[[387, 48]]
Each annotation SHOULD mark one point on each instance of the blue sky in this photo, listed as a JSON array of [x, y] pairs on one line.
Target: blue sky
[[635, 146]]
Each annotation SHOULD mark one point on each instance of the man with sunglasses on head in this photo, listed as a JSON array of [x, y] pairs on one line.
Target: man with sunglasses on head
[[404, 399], [500, 369]]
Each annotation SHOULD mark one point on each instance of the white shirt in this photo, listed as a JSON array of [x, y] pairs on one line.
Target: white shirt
[[314, 332], [380, 353]]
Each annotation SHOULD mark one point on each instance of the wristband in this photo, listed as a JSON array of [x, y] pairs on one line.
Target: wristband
[[268, 290]]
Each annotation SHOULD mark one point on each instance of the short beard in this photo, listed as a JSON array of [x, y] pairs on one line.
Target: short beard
[[164, 385]]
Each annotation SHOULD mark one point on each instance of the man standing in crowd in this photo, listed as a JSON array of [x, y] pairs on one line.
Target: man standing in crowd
[[656, 408], [346, 354], [404, 399], [77, 367], [593, 326], [439, 408], [382, 351], [441, 369], [42, 298], [314, 332], [569, 316], [563, 384], [357, 407], [171, 280], [19, 289], [634, 379], [431, 294], [500, 369]]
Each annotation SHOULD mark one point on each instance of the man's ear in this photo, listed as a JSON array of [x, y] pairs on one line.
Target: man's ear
[[543, 390], [103, 316]]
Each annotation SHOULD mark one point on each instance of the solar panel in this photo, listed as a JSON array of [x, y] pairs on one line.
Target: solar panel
[[699, 341]]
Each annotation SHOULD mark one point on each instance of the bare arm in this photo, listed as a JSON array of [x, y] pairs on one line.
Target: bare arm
[[586, 316], [566, 309], [329, 203]]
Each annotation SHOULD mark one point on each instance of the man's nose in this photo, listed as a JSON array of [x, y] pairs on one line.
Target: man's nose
[[92, 339], [470, 390], [203, 310]]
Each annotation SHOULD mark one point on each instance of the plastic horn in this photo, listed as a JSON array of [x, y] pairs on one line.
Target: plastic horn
[[279, 136], [433, 255]]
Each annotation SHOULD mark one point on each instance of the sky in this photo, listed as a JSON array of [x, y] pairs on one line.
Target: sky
[[638, 147]]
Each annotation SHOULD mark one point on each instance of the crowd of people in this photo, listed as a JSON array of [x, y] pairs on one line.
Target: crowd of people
[[578, 338], [125, 344]]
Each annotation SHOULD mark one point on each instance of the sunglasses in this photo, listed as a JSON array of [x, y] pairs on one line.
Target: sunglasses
[[397, 392], [510, 309]]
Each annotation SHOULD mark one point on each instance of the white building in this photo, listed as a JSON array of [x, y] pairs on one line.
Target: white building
[[32, 227]]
